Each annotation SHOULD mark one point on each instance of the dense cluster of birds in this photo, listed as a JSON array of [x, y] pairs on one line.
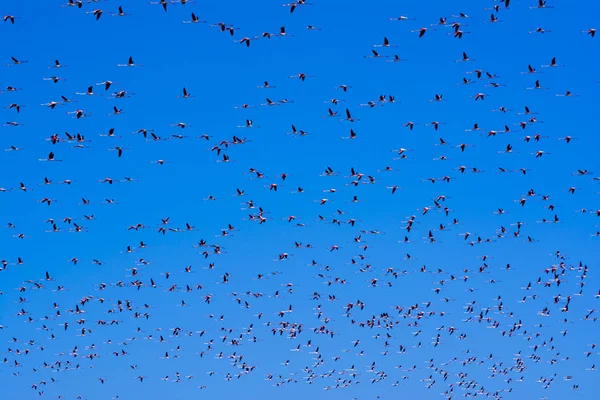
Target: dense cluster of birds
[[460, 297]]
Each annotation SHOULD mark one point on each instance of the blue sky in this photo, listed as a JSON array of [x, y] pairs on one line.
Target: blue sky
[[222, 74]]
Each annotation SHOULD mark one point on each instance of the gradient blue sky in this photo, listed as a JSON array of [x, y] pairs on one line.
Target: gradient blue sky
[[222, 74]]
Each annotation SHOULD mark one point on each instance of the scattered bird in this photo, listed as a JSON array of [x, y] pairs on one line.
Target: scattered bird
[[459, 264]]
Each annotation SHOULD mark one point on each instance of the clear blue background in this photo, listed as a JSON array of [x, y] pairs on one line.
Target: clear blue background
[[222, 74]]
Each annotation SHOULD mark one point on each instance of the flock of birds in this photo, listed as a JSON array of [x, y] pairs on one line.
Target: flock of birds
[[328, 310]]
